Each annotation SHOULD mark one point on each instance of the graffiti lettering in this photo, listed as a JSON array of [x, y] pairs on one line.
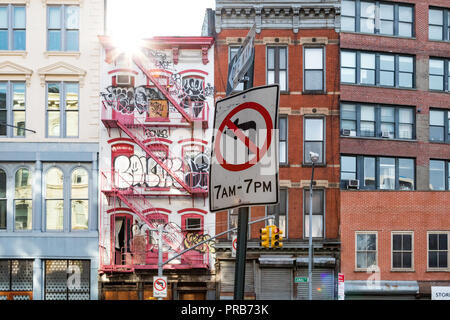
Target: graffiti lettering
[[156, 133], [193, 238], [128, 99]]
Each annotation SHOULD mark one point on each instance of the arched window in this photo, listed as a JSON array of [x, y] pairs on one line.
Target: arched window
[[2, 199], [79, 203], [23, 203], [54, 199]]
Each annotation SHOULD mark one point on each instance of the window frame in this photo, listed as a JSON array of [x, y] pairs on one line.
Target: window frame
[[62, 28], [4, 200], [323, 141], [63, 111], [10, 109], [445, 127], [356, 249], [286, 141], [323, 70], [378, 121], [44, 192], [438, 269], [31, 176], [397, 71], [445, 74], [446, 174], [10, 7], [377, 18], [276, 63], [445, 23], [72, 199], [402, 233], [360, 172], [322, 214]]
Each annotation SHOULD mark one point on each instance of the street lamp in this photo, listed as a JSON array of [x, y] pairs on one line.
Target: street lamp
[[314, 158]]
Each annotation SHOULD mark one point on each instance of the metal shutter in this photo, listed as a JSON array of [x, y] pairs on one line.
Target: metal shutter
[[276, 284], [322, 284], [227, 270]]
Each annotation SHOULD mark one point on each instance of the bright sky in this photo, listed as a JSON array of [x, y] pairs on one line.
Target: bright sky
[[139, 19]]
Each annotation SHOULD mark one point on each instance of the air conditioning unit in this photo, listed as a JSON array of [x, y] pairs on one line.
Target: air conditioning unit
[[346, 132], [123, 80], [385, 134], [353, 184]]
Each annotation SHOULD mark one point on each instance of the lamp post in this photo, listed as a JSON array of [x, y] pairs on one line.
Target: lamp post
[[314, 158]]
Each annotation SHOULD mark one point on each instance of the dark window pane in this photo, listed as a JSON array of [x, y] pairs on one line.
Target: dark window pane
[[443, 245], [407, 242], [433, 259], [432, 242], [443, 259], [2, 122], [369, 172], [371, 242], [397, 242], [436, 133], [407, 260], [397, 260], [2, 214]]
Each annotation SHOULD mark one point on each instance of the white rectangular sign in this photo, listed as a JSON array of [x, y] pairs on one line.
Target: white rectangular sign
[[243, 59], [233, 245], [440, 293], [341, 287], [159, 287], [244, 158]]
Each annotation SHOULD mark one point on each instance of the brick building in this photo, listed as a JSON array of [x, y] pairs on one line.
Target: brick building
[[296, 45], [394, 147]]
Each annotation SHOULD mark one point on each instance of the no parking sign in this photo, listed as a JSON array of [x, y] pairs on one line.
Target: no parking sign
[[244, 158]]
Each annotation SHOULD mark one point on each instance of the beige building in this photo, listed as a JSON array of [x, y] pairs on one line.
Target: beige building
[[49, 131]]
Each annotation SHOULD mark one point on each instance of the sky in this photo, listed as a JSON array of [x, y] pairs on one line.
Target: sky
[[138, 19]]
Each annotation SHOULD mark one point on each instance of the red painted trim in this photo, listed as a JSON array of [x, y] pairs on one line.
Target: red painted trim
[[193, 140], [160, 71], [119, 209], [193, 71], [192, 210], [121, 140], [157, 140], [158, 209], [123, 70]]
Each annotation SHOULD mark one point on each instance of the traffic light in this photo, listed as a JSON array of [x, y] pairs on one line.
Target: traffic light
[[276, 237], [264, 237]]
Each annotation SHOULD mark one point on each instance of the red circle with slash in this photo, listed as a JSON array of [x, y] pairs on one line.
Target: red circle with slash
[[259, 153], [160, 284]]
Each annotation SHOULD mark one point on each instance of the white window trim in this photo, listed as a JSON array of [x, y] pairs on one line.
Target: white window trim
[[411, 233], [448, 252], [356, 249]]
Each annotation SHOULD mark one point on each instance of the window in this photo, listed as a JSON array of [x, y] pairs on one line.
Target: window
[[439, 175], [233, 52], [283, 140], [377, 18], [379, 69], [439, 24], [63, 28], [378, 172], [54, 199], [16, 279], [390, 122], [313, 76], [318, 213], [277, 66], [12, 109], [402, 250], [12, 27], [67, 280], [366, 250], [314, 139], [193, 223], [23, 202], [439, 74], [438, 250], [3, 200], [62, 109], [79, 202], [233, 222], [280, 212], [439, 125]]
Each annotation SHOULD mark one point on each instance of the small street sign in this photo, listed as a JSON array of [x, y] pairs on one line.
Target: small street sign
[[301, 279], [233, 246], [341, 287], [244, 159], [159, 287]]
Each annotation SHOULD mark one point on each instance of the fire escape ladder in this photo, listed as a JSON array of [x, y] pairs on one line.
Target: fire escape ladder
[[164, 91], [139, 141]]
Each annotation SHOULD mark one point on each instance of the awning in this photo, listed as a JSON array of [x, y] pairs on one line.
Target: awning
[[281, 260], [324, 261], [382, 287]]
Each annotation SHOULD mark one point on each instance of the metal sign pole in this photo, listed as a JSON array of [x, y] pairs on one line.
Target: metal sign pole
[[241, 253], [160, 252]]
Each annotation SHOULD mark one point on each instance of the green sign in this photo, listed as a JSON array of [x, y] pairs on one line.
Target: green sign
[[301, 279]]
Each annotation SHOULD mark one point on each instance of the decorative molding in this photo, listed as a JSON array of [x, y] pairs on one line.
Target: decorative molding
[[10, 69], [285, 111], [61, 71], [8, 53], [285, 183], [277, 40], [76, 2], [319, 111], [313, 40], [75, 54], [25, 2]]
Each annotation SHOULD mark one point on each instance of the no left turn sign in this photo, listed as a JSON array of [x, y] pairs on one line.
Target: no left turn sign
[[160, 287], [244, 158]]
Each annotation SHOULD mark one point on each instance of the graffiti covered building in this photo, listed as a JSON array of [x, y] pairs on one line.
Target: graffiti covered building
[[157, 110]]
